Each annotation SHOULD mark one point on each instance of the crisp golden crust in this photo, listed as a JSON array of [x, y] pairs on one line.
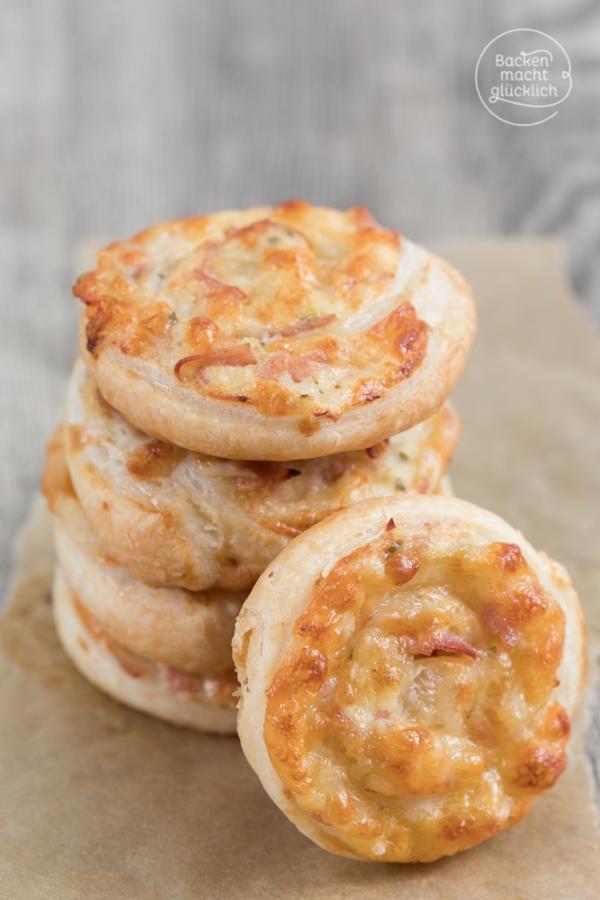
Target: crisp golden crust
[[174, 517], [275, 333], [416, 695], [178, 697], [175, 627]]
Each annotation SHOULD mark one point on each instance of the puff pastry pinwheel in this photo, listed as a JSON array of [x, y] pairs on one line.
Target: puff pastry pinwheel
[[177, 697], [408, 672], [276, 333], [166, 651], [174, 517]]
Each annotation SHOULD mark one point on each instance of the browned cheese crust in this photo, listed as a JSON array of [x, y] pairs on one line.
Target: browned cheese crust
[[274, 333], [415, 695]]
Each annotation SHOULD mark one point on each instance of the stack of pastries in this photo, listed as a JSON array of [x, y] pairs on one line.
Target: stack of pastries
[[258, 432]]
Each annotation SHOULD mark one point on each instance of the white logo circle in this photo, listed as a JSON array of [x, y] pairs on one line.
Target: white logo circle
[[522, 76]]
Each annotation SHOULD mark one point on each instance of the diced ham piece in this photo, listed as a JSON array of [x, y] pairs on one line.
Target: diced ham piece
[[272, 472], [239, 355], [219, 290], [332, 468], [442, 644], [180, 682], [377, 449], [131, 663], [273, 366]]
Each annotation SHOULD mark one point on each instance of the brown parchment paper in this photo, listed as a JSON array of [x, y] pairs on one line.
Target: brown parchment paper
[[97, 801]]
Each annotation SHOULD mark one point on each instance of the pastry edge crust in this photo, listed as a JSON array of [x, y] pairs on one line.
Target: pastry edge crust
[[104, 672], [163, 625], [159, 550]]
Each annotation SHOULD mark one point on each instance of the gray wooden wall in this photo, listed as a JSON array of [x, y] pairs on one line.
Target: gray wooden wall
[[118, 113]]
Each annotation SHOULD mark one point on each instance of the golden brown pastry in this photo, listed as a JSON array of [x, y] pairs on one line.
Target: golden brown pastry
[[174, 517], [274, 333], [179, 628], [408, 668]]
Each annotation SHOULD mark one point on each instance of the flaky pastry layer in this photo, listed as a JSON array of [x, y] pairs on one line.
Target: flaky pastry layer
[[181, 629], [174, 517], [164, 692]]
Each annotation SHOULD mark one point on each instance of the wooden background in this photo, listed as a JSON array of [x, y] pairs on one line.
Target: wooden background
[[122, 112]]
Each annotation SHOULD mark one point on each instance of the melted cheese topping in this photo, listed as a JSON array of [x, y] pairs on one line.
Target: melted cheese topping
[[245, 512], [412, 715], [294, 309]]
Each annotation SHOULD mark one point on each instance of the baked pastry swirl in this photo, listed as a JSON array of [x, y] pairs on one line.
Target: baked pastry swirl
[[413, 694], [174, 517], [274, 333]]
